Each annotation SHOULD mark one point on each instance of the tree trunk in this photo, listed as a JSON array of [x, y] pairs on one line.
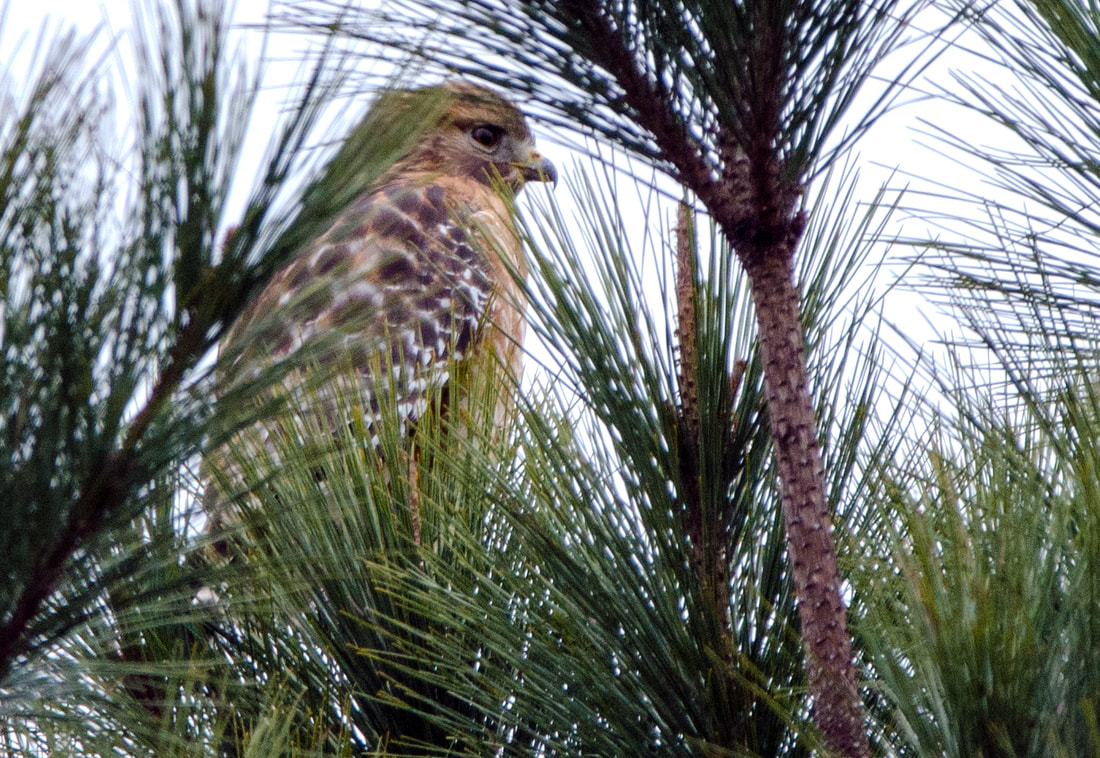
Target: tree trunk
[[832, 681]]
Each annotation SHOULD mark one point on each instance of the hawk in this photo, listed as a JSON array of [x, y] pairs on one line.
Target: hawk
[[420, 272]]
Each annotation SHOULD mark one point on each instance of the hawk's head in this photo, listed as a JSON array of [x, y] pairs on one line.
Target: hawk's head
[[478, 134]]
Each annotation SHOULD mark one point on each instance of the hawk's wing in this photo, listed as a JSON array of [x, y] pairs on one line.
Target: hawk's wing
[[395, 286]]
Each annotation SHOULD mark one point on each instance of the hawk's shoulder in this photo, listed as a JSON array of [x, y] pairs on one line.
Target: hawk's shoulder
[[396, 270]]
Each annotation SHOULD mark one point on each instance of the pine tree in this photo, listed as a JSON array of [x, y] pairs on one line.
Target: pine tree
[[622, 569]]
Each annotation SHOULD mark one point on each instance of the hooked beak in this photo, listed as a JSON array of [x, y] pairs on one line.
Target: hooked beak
[[538, 169]]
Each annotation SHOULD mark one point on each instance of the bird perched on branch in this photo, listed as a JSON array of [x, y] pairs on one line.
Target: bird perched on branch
[[421, 271]]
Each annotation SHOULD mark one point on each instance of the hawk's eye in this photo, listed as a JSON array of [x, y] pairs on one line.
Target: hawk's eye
[[487, 136]]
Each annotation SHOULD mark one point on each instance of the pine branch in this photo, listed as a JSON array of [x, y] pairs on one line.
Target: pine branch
[[810, 543], [100, 496], [649, 100]]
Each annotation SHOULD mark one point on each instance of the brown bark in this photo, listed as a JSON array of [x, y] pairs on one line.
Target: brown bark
[[709, 532], [831, 675]]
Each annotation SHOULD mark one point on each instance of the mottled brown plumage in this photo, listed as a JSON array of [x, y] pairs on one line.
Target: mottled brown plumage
[[418, 274], [423, 265]]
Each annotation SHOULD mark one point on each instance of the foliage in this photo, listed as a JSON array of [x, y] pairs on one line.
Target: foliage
[[979, 611], [504, 630], [115, 286], [981, 624], [552, 603], [739, 103]]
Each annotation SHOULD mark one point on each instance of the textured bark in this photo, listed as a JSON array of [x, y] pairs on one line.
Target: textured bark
[[708, 529], [832, 683]]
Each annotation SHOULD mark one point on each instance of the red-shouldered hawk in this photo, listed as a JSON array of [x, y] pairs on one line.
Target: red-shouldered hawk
[[423, 265]]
